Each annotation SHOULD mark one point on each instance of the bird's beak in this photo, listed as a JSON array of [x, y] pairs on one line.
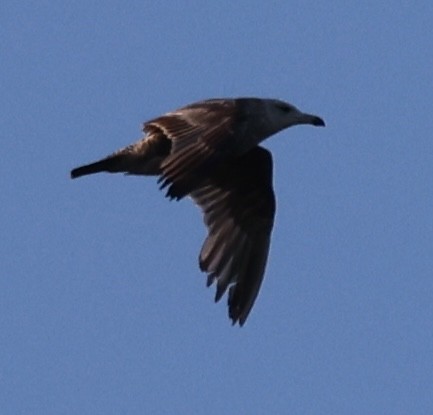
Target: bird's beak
[[311, 119]]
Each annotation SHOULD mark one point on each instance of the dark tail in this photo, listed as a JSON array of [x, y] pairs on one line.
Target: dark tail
[[142, 158], [112, 164]]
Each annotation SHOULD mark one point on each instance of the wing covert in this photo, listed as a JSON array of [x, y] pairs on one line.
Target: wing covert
[[202, 135]]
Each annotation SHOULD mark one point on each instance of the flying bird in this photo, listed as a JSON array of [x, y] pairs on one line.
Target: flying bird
[[210, 151]]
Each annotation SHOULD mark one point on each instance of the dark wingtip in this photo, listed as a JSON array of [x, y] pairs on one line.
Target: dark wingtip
[[238, 321]]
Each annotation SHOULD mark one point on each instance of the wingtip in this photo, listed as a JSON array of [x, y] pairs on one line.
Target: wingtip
[[238, 321]]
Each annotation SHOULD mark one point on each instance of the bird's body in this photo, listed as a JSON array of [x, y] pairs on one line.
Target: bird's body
[[209, 150]]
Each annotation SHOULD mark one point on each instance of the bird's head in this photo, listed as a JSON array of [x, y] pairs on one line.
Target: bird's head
[[283, 115]]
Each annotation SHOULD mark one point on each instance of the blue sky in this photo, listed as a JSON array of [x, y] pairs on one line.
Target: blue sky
[[103, 309]]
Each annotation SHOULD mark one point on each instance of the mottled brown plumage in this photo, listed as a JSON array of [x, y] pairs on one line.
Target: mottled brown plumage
[[209, 150]]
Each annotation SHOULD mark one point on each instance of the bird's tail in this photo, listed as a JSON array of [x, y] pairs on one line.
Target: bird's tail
[[141, 158], [111, 164]]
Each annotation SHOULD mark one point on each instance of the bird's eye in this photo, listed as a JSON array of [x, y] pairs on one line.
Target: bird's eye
[[284, 108]]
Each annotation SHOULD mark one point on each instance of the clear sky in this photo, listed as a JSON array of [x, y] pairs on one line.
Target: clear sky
[[103, 309]]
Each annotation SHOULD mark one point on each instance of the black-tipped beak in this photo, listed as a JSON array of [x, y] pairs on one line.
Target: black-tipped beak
[[317, 121], [310, 119]]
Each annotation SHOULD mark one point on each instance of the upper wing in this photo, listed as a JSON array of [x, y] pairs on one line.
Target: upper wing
[[202, 135], [239, 208]]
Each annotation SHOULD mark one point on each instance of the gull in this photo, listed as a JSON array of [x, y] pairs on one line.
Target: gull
[[210, 151]]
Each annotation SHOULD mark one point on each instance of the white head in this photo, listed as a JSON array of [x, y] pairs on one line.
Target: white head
[[281, 115]]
